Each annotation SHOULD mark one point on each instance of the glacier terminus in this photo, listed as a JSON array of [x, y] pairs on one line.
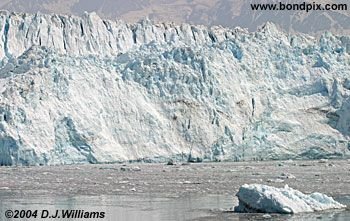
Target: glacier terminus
[[87, 90]]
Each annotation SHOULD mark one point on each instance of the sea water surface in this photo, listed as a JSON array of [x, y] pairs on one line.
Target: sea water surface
[[151, 207], [204, 191]]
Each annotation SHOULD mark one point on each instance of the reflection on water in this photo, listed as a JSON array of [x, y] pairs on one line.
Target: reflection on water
[[150, 208], [125, 207]]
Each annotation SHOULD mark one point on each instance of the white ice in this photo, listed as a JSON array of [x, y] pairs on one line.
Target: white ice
[[88, 90], [257, 198]]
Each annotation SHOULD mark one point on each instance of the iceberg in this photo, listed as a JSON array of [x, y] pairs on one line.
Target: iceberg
[[257, 198]]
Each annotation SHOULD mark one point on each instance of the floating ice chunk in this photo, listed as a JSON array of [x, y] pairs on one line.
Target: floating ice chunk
[[266, 199], [287, 176], [275, 180]]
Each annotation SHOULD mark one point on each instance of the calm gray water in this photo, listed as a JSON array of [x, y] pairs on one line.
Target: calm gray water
[[150, 208]]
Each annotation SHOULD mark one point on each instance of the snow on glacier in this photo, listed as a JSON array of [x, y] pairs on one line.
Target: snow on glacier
[[257, 198], [87, 90]]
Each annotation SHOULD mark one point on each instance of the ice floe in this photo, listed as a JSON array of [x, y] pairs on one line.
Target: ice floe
[[257, 198]]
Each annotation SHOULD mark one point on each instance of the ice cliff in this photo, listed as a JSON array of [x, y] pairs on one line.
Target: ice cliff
[[87, 90]]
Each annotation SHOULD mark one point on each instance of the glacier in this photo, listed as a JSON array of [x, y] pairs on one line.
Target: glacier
[[257, 198], [88, 90]]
